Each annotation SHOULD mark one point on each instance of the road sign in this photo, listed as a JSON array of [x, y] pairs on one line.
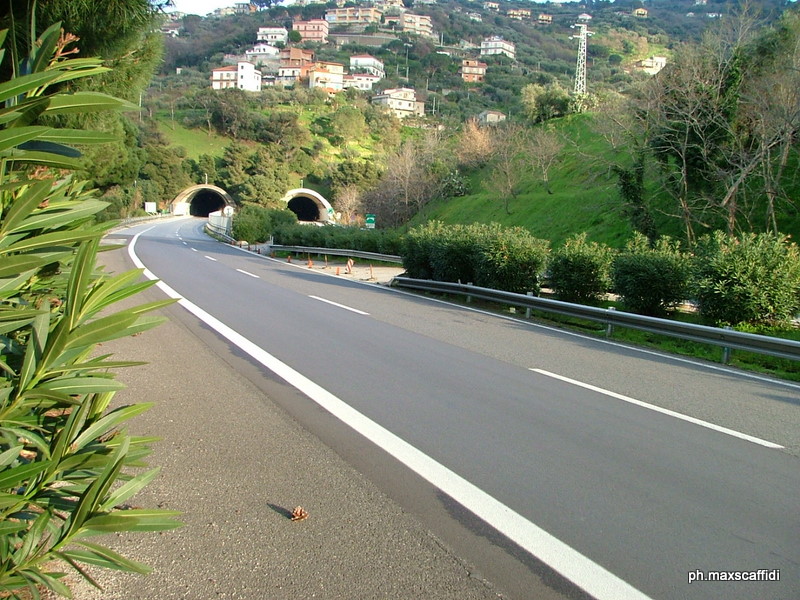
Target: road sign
[[370, 221]]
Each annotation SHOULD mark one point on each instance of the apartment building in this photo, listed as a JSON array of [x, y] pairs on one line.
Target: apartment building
[[243, 75], [361, 81], [354, 15], [272, 35], [520, 14], [409, 23], [368, 64], [401, 101], [497, 45], [328, 76], [315, 30], [473, 71]]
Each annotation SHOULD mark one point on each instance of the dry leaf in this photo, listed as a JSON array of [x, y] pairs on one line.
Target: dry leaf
[[299, 513]]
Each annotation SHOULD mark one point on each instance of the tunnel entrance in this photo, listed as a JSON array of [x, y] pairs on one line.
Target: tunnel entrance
[[205, 202], [305, 208]]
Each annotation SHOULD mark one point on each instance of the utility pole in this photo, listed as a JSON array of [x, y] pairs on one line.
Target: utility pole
[[580, 69], [407, 47]]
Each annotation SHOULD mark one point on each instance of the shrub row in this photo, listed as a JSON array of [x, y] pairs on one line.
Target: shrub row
[[752, 278], [489, 256], [256, 224], [382, 241]]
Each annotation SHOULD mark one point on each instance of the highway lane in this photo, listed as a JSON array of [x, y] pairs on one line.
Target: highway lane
[[646, 496]]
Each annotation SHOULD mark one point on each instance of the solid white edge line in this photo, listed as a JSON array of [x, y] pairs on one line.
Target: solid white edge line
[[248, 274], [355, 310], [659, 409], [571, 564]]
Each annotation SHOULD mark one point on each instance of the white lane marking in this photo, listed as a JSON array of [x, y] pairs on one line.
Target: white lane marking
[[210, 258], [248, 274], [355, 310], [665, 411], [570, 563], [194, 249]]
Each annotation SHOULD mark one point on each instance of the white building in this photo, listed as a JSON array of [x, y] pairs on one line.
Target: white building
[[361, 81], [401, 101], [261, 52], [497, 45], [243, 76], [273, 35], [326, 75], [367, 64]]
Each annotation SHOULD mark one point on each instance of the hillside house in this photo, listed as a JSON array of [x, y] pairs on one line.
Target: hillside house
[[367, 64], [261, 52], [315, 30], [328, 76], [490, 117], [495, 6], [354, 15], [544, 19], [361, 81], [242, 75], [272, 35], [410, 23], [473, 71], [244, 8], [640, 13], [520, 14], [475, 16], [651, 65], [294, 65], [402, 102], [497, 45]]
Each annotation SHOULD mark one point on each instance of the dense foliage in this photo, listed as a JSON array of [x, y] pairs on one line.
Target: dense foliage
[[68, 465], [490, 256], [580, 271], [751, 278]]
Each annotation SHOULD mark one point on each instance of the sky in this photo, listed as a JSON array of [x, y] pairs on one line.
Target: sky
[[201, 7]]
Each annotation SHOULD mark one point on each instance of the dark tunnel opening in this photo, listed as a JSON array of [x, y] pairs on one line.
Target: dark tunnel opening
[[205, 202], [305, 208]]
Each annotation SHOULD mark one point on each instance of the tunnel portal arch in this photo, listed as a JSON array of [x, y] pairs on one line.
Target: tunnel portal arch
[[201, 200], [309, 206]]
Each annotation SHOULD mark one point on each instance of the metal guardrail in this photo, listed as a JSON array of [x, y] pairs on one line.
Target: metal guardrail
[[726, 338], [391, 258]]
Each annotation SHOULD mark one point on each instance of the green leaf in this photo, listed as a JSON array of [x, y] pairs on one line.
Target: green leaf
[[44, 159], [82, 385], [14, 265], [84, 102], [11, 527], [95, 554], [25, 204], [26, 83], [109, 422], [10, 455], [55, 239], [11, 478], [101, 330], [129, 489], [77, 136], [133, 520], [15, 136]]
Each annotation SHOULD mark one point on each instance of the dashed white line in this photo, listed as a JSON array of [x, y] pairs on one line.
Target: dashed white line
[[351, 309], [248, 274], [665, 411], [194, 249], [210, 258], [579, 569]]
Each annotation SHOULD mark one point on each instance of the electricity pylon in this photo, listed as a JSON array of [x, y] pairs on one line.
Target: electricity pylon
[[580, 69]]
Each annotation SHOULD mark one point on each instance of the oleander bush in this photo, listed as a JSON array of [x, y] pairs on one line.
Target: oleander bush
[[68, 465], [750, 278], [509, 259], [651, 280], [580, 271], [381, 241], [255, 224]]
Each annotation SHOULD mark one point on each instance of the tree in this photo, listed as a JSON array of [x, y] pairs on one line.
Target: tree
[[509, 162], [544, 102], [348, 203], [475, 144], [295, 37], [544, 150]]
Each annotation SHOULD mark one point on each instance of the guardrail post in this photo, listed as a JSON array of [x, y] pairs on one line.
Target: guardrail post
[[469, 298], [726, 352], [528, 310], [610, 325]]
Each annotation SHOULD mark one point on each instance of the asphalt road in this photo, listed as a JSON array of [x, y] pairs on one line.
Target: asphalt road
[[582, 486]]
